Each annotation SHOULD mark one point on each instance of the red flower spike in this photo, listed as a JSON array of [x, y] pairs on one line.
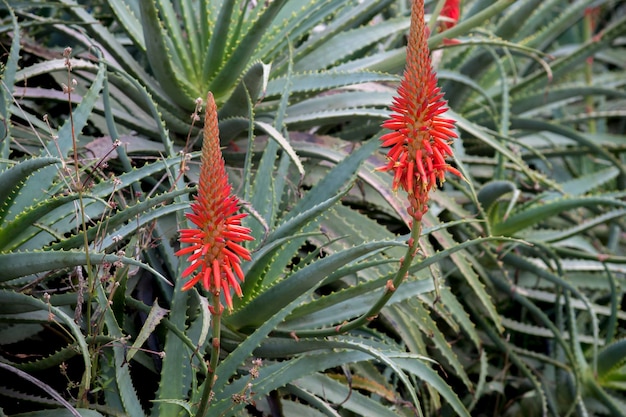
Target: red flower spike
[[420, 138], [215, 250]]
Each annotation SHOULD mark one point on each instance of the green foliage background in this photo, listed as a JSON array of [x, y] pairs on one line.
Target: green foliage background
[[515, 306]]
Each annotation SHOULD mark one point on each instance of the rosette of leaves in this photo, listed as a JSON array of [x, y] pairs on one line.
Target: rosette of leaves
[[240, 50]]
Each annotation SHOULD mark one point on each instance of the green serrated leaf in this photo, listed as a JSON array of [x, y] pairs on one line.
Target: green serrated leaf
[[469, 274], [341, 23], [335, 392], [345, 43], [8, 79], [228, 367], [20, 264], [340, 100], [416, 315], [459, 315], [125, 387], [535, 213], [13, 179], [13, 333], [276, 375], [251, 88], [590, 182], [17, 302], [224, 79], [172, 79], [340, 306], [494, 190], [120, 218], [216, 50], [16, 232], [268, 303], [126, 13], [552, 235], [186, 405], [539, 79], [152, 321], [428, 375], [317, 81], [336, 178], [610, 358], [328, 117], [176, 377], [283, 142]]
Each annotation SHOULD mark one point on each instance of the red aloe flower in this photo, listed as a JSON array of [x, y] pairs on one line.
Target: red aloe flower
[[420, 141], [452, 11], [215, 248]]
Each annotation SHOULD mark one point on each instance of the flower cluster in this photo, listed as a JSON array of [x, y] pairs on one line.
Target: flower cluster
[[215, 244], [421, 136]]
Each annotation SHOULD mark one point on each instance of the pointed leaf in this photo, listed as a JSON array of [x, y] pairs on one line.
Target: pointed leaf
[[152, 321], [20, 264], [251, 87], [239, 59], [13, 179], [268, 303], [178, 89]]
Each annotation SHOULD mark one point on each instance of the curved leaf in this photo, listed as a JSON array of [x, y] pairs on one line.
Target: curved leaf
[[175, 83], [13, 179], [268, 303], [530, 216], [20, 264]]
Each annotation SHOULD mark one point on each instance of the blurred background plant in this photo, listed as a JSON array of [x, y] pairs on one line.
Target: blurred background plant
[[97, 151]]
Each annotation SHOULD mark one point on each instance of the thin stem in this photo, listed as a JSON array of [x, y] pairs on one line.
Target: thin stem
[[77, 185], [207, 392], [434, 15], [392, 285], [390, 289]]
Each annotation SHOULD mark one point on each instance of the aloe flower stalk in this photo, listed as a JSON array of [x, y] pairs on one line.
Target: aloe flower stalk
[[215, 250], [421, 136], [420, 142]]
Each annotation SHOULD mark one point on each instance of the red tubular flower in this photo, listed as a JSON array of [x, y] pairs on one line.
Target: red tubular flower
[[421, 137], [215, 250], [452, 11]]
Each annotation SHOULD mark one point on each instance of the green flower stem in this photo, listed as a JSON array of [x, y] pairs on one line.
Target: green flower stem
[[434, 15], [91, 290], [390, 289], [392, 285], [207, 392]]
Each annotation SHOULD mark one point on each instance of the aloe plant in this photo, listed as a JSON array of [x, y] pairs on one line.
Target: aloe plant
[[240, 62], [531, 92], [106, 383], [513, 305]]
